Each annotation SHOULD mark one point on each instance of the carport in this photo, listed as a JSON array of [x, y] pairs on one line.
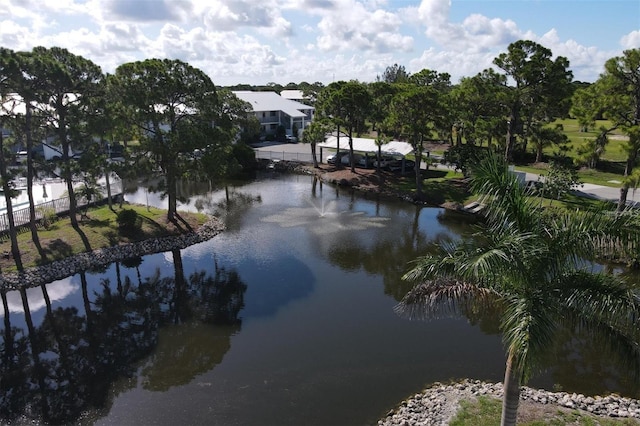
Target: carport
[[367, 146]]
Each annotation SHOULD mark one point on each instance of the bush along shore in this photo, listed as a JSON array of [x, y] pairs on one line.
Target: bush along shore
[[438, 404], [38, 275]]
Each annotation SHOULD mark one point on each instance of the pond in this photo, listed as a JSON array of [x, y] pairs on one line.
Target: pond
[[285, 318]]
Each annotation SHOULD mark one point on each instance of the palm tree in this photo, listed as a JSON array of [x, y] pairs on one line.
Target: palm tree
[[89, 191], [534, 269]]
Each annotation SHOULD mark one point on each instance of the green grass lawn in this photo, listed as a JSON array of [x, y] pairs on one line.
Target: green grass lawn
[[614, 151], [60, 240], [486, 411], [595, 177]]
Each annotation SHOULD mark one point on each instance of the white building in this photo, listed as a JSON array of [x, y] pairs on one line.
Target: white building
[[272, 110]]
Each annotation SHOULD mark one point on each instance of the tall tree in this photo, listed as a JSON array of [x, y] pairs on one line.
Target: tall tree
[[441, 83], [380, 93], [355, 101], [619, 89], [394, 74], [415, 110], [345, 105], [329, 107], [28, 85], [8, 70], [70, 85], [478, 104], [530, 268], [174, 105], [314, 134], [541, 91], [587, 106]]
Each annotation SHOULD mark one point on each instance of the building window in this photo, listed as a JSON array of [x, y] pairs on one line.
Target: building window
[[273, 113], [274, 126]]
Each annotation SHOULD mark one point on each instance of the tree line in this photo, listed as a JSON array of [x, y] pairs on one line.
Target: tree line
[[509, 108], [174, 121], [169, 115]]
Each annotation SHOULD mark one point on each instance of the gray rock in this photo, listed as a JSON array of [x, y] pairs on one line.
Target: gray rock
[[438, 404], [35, 276]]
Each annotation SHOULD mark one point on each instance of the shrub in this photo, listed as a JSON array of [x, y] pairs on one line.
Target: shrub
[[48, 216], [128, 221]]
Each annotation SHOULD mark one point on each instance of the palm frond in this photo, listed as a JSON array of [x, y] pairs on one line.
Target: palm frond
[[529, 326], [601, 297], [445, 297], [503, 194], [607, 310]]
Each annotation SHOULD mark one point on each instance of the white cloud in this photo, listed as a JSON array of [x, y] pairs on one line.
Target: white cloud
[[230, 15], [476, 33], [457, 64], [631, 40], [144, 11], [15, 36], [586, 62], [288, 40], [57, 290], [350, 25]]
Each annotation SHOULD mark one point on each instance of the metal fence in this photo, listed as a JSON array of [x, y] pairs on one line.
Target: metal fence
[[57, 206], [283, 155]]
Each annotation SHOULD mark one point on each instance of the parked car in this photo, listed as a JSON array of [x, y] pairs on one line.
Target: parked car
[[346, 159], [385, 160], [364, 161], [291, 139], [331, 159], [396, 165]]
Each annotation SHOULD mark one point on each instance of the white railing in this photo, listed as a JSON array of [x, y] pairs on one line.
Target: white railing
[[289, 156], [59, 205]]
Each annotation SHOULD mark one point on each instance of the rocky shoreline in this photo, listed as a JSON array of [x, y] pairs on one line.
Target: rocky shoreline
[[37, 275], [438, 404]]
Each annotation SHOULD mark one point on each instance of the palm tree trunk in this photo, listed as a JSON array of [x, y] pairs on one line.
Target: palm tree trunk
[[511, 397]]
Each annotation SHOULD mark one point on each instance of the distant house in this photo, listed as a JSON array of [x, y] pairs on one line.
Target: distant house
[[293, 95], [272, 110]]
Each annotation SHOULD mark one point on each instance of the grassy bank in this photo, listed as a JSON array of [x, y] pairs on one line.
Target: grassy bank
[[98, 229], [486, 411]]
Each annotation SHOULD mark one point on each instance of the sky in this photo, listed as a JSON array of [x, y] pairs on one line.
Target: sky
[[280, 41]]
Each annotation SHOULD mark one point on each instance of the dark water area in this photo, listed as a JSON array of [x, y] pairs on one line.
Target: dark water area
[[286, 318]]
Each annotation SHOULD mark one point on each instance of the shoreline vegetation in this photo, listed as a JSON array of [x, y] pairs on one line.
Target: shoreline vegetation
[[98, 241], [438, 404]]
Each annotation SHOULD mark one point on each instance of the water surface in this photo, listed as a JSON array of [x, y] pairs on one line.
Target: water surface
[[285, 318]]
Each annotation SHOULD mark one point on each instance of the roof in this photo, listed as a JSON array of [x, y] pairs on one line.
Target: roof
[[292, 94], [369, 145], [271, 101]]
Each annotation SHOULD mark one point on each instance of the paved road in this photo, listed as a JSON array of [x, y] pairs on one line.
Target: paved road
[[302, 152]]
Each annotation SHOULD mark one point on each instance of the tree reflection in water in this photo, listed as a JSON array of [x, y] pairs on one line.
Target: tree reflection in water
[[63, 370]]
